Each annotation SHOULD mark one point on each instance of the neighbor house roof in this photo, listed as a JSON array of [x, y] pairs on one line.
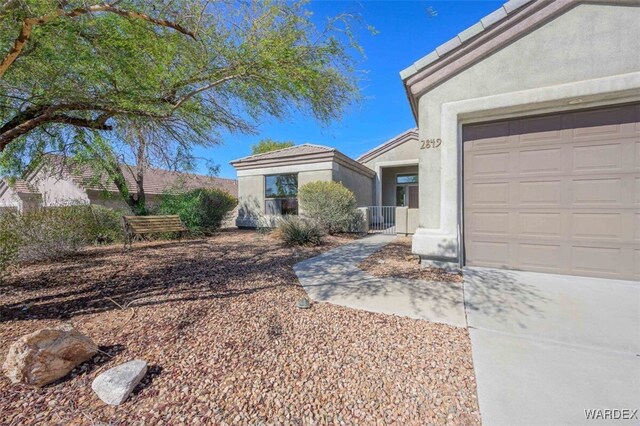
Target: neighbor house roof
[[299, 154], [22, 187], [405, 136], [156, 181], [510, 22], [292, 151]]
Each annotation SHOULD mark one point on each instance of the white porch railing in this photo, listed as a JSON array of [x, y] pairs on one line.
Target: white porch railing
[[382, 219]]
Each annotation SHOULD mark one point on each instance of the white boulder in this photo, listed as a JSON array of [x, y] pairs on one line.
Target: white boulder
[[115, 385]]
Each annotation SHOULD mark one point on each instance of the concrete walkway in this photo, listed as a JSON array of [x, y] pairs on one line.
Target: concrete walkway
[[333, 277]]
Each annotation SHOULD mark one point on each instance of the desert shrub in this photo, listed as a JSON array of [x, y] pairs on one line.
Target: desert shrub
[[332, 205], [54, 232], [9, 242], [201, 210], [106, 226], [299, 231]]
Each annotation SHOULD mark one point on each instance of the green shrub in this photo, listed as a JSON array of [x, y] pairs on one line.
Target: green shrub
[[299, 231], [106, 226], [201, 210], [332, 205]]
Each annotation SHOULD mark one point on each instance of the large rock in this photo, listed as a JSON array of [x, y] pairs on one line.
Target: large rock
[[114, 385], [46, 355]]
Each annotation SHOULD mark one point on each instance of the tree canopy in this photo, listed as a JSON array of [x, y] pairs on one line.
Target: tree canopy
[[268, 145], [75, 73]]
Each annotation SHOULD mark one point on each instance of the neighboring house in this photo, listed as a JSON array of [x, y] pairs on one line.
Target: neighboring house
[[268, 183], [528, 148], [57, 182], [385, 176]]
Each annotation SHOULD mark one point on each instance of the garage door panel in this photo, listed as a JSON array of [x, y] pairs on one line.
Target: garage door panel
[[489, 194], [540, 256], [490, 253], [602, 226], [540, 224], [540, 193], [597, 158], [490, 164], [598, 124], [597, 260], [597, 192], [540, 130], [540, 161], [489, 223], [557, 194], [489, 135]]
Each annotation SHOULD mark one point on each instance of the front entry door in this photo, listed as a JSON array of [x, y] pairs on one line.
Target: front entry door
[[413, 197]]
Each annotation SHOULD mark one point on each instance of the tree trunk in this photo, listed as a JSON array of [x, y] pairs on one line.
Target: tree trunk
[[141, 160]]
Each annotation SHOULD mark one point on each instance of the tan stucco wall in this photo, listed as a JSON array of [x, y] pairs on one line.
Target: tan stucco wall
[[408, 150], [576, 55], [360, 185], [251, 186]]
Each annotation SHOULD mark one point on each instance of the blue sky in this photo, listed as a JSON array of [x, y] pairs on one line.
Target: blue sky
[[407, 32]]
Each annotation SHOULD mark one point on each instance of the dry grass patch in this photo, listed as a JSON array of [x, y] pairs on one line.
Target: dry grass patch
[[395, 260], [215, 320]]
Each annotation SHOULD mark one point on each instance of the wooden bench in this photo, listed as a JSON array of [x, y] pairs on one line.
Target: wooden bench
[[135, 226]]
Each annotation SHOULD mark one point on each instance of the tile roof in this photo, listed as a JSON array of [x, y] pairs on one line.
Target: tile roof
[[292, 151], [156, 181], [491, 19], [23, 187]]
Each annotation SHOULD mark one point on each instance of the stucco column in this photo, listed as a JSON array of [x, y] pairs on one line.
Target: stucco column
[[436, 237]]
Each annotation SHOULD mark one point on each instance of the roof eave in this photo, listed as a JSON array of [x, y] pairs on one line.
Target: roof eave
[[457, 47], [388, 145]]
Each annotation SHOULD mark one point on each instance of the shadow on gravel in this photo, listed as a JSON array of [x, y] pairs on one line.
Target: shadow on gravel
[[109, 278], [153, 371], [102, 357]]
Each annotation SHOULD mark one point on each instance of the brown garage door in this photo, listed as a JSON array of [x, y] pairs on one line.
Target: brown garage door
[[558, 193]]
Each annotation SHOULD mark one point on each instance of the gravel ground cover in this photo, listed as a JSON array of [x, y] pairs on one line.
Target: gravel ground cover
[[395, 260], [215, 320]]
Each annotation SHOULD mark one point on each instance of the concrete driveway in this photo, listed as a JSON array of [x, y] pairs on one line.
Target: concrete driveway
[[548, 347]]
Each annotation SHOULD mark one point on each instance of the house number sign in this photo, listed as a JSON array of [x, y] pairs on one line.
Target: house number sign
[[430, 143]]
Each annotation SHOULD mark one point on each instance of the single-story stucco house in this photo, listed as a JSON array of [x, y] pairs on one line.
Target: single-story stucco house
[[527, 149], [57, 182], [385, 176]]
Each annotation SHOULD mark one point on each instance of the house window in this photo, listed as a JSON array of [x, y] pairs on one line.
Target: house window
[[406, 179], [281, 194]]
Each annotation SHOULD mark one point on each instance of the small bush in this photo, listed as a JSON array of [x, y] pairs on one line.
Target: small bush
[[9, 242], [298, 231], [55, 232], [332, 205], [106, 226], [201, 210]]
